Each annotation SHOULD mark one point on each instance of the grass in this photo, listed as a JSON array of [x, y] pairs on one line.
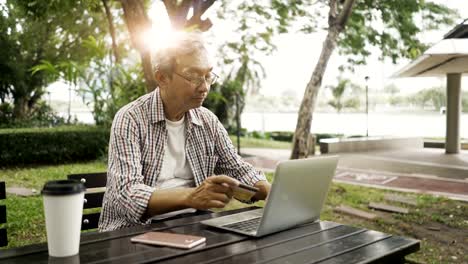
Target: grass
[[35, 177], [25, 224], [260, 143]]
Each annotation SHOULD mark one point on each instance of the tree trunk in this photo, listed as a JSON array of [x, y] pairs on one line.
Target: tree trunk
[[20, 108], [110, 20], [138, 24], [336, 24], [304, 120]]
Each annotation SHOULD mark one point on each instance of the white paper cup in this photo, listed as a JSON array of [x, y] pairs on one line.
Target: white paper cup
[[63, 209]]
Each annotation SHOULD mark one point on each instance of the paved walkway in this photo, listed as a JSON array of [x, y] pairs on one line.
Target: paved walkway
[[412, 170]]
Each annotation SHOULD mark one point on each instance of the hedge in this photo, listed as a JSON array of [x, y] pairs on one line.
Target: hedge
[[287, 136], [52, 145]]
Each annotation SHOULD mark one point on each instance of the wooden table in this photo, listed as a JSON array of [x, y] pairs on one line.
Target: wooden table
[[319, 242]]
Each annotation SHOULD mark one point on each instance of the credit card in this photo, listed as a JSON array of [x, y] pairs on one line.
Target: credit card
[[244, 192]]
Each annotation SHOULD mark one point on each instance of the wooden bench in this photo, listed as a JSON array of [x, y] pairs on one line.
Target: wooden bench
[[3, 216], [95, 184]]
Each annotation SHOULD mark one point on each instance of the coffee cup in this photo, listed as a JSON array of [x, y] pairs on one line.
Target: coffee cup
[[63, 209]]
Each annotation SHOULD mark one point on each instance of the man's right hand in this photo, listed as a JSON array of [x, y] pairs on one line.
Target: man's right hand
[[214, 192]]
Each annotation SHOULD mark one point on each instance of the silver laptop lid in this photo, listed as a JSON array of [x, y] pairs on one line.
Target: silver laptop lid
[[298, 193]]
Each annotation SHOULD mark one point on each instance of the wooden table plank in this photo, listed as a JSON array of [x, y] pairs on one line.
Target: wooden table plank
[[284, 248], [315, 254], [394, 248]]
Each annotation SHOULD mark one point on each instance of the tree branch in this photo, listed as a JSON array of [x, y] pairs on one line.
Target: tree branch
[[199, 8], [345, 13], [110, 20], [177, 13], [332, 12]]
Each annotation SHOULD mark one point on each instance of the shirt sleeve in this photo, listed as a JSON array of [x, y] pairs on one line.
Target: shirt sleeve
[[127, 192], [230, 163]]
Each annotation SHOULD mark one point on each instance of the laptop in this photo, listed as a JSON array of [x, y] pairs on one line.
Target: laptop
[[296, 197]]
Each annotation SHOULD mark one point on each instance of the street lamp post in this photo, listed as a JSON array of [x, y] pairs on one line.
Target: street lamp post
[[367, 106]]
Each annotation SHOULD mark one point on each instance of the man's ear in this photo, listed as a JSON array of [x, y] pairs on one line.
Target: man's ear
[[161, 78]]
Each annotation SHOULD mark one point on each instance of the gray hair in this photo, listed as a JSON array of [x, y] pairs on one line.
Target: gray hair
[[186, 43]]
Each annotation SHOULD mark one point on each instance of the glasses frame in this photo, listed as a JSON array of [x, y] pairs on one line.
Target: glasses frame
[[197, 81]]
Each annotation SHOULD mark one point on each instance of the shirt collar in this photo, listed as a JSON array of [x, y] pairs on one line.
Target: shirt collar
[[158, 114]]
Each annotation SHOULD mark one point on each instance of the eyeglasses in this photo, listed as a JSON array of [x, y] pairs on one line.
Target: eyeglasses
[[197, 81]]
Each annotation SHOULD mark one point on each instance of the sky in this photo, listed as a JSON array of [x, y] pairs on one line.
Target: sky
[[290, 67]]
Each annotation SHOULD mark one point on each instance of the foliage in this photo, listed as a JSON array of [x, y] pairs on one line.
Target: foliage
[[258, 22], [391, 89], [465, 102], [221, 100], [32, 31], [434, 97], [106, 86], [392, 26], [339, 92], [33, 145], [41, 115]]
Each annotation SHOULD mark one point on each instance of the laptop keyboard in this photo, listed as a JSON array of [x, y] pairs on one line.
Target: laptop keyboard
[[246, 226]]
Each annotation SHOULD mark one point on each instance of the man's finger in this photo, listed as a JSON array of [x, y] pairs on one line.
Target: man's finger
[[216, 204], [220, 188], [220, 179], [221, 197]]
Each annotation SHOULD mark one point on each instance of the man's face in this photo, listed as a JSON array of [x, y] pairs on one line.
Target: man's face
[[188, 70]]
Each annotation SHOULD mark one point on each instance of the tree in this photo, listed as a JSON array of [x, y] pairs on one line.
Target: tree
[[32, 31], [351, 26], [339, 102], [106, 86], [434, 97], [391, 89], [257, 23]]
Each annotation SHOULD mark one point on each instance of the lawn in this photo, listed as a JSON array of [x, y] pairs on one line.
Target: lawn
[[440, 224]]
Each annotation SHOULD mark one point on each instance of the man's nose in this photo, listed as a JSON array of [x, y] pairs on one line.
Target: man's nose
[[204, 86]]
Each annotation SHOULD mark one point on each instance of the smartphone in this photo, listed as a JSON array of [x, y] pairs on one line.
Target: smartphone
[[169, 239]]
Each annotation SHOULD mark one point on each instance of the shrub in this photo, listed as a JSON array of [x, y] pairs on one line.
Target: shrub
[[52, 145], [282, 136], [259, 135], [41, 115]]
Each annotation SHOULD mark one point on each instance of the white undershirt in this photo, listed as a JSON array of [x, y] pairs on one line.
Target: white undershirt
[[175, 171]]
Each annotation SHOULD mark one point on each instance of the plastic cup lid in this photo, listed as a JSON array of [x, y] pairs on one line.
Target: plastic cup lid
[[63, 187]]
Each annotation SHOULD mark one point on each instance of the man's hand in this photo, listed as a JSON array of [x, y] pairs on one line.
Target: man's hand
[[214, 192], [264, 189]]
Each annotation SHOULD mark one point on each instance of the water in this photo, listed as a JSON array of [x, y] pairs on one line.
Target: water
[[380, 124]]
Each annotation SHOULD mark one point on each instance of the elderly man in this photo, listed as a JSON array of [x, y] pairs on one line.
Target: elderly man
[[167, 153]]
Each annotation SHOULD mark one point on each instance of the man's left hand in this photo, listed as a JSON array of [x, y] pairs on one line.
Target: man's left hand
[[264, 189]]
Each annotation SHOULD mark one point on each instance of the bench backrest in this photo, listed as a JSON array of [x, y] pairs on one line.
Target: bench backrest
[[3, 216], [95, 184]]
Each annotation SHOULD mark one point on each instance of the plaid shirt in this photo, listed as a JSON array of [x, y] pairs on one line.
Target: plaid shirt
[[136, 151]]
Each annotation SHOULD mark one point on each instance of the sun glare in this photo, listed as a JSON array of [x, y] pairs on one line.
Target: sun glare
[[161, 34]]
